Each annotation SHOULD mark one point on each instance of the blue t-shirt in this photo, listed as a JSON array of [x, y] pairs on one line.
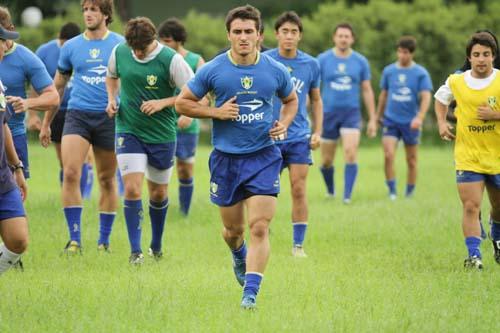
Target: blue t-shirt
[[49, 54], [255, 86], [403, 85], [88, 59], [6, 179], [304, 70], [18, 67], [341, 80]]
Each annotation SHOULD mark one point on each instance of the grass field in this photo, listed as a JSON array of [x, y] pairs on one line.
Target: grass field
[[374, 265]]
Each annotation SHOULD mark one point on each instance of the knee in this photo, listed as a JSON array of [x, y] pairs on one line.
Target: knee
[[471, 208], [298, 191], [132, 190], [412, 162], [18, 245], [72, 174], [259, 229], [389, 156], [233, 232], [107, 182], [158, 194], [350, 155]]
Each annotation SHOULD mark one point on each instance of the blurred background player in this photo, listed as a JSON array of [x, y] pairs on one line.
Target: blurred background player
[[173, 34], [403, 102], [142, 71], [19, 68], [477, 93], [345, 75], [245, 164], [13, 190], [49, 54], [296, 148], [86, 122]]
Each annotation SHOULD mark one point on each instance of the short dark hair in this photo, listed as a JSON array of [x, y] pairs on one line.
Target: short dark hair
[[6, 19], [140, 32], [407, 42], [105, 6], [244, 13], [173, 28], [69, 30], [290, 17], [484, 39], [344, 25]]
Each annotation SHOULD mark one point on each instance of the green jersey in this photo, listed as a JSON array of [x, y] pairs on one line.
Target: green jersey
[[143, 81], [192, 59]]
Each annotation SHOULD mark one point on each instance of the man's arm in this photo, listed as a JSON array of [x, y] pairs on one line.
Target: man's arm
[[14, 160], [112, 88], [425, 102], [288, 112], [369, 101], [443, 126], [317, 117], [382, 101], [187, 104], [46, 100], [485, 112]]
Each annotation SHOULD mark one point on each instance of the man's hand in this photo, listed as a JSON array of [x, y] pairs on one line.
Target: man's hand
[[151, 107], [485, 112], [227, 111], [315, 141], [44, 136], [278, 131], [371, 129], [184, 122], [21, 182], [445, 131], [18, 104], [416, 123], [112, 108]]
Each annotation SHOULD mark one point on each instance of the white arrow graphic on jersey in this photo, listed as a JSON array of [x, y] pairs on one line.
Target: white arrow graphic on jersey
[[99, 70], [252, 105]]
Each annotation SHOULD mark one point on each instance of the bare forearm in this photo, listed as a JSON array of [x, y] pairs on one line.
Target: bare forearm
[[288, 112], [112, 88], [317, 115], [425, 102], [49, 116], [193, 109], [45, 102], [441, 111], [382, 100], [369, 100]]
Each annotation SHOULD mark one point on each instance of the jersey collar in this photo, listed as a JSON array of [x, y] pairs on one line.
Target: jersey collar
[[103, 37], [236, 64], [12, 49]]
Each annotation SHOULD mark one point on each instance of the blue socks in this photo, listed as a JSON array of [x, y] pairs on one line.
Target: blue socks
[[299, 232], [73, 216], [88, 182], [495, 229], [133, 218], [473, 244], [241, 253], [328, 176], [252, 283], [157, 214], [105, 226], [185, 194], [350, 173], [409, 190], [391, 184], [83, 178]]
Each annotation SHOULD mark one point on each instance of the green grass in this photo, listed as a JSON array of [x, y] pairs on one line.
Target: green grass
[[374, 265]]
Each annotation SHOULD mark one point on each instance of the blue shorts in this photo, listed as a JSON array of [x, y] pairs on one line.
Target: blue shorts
[[409, 136], [234, 177], [297, 152], [95, 127], [11, 205], [21, 145], [186, 146], [159, 155], [333, 122], [471, 177]]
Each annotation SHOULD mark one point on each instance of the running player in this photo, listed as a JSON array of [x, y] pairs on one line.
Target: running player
[[345, 74], [49, 54], [86, 123], [20, 67], [477, 92], [13, 190], [245, 164], [296, 148], [404, 100], [173, 34], [142, 71]]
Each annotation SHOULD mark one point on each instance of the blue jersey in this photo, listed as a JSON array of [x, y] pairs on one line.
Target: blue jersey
[[304, 70], [18, 67], [49, 54], [403, 85], [6, 179], [88, 59], [341, 80], [254, 86]]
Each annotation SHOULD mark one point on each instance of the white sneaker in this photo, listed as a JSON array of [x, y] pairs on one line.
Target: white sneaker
[[298, 252]]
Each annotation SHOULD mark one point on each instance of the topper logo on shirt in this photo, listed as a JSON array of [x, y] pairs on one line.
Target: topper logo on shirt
[[94, 53], [246, 82], [151, 79], [402, 78], [341, 67]]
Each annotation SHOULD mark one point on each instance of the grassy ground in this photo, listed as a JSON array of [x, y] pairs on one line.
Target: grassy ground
[[374, 265]]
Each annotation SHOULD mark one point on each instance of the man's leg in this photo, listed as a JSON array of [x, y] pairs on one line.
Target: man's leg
[[350, 142], [108, 202], [74, 149], [389, 144], [158, 207], [471, 194], [328, 149], [494, 196], [298, 177], [186, 184], [411, 162], [14, 233], [133, 212], [233, 220]]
